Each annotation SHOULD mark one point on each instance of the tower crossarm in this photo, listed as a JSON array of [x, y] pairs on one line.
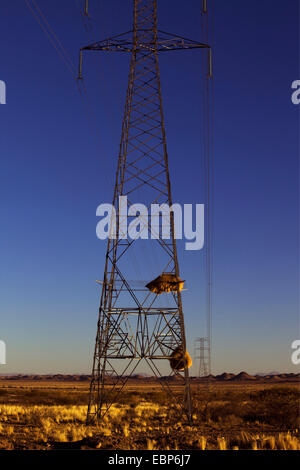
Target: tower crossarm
[[164, 42]]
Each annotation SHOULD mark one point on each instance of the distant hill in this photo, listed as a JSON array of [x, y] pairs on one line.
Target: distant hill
[[264, 374], [225, 377], [243, 376], [48, 377]]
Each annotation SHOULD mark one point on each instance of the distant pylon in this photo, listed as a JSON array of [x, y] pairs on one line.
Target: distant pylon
[[202, 357], [136, 323]]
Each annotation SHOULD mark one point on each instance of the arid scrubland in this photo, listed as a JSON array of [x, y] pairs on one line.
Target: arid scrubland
[[235, 418]]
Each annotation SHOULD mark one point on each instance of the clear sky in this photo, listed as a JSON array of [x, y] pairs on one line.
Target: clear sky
[[57, 164]]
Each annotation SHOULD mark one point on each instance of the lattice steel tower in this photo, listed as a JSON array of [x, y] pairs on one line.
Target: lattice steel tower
[[202, 357], [136, 324]]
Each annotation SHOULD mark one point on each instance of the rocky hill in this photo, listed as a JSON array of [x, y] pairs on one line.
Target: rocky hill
[[225, 377]]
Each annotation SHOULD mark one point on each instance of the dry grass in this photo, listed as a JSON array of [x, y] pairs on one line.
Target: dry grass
[[223, 420]]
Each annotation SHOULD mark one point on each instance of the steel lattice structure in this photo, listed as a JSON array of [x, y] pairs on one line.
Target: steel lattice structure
[[202, 356], [135, 324]]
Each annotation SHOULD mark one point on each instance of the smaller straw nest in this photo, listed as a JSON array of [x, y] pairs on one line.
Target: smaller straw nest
[[178, 360]]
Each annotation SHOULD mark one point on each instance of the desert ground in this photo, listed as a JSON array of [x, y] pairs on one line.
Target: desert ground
[[229, 413]]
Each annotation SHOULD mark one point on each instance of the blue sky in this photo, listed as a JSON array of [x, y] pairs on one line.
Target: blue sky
[[57, 165]]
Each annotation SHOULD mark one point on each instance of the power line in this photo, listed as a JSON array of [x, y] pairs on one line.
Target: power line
[[65, 56], [56, 43]]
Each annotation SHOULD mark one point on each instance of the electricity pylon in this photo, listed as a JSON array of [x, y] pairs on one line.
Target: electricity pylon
[[136, 324], [202, 357]]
